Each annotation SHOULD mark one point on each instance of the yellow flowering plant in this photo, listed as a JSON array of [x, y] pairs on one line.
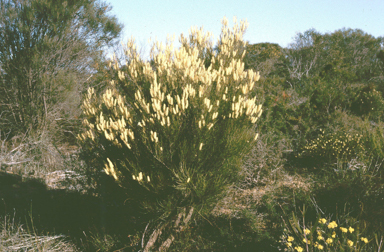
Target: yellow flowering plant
[[172, 130], [322, 235], [333, 147]]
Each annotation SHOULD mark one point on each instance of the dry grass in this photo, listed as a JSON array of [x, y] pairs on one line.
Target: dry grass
[[39, 158], [238, 199], [14, 237], [36, 158]]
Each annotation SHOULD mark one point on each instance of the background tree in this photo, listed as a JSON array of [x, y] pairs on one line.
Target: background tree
[[48, 50], [303, 56], [267, 58], [347, 54]]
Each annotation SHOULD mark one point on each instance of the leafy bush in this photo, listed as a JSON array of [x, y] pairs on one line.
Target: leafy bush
[[373, 138], [334, 147], [172, 131], [326, 97], [369, 103]]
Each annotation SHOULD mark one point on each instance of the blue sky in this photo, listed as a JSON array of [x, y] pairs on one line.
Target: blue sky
[[274, 21]]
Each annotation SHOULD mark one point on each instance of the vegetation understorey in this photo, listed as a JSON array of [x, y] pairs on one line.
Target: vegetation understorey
[[226, 146]]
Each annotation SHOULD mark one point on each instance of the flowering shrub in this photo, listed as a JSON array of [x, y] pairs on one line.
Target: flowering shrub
[[325, 235], [172, 131], [369, 103], [333, 147]]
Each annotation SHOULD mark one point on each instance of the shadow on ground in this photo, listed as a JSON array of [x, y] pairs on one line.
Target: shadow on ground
[[71, 213], [84, 218]]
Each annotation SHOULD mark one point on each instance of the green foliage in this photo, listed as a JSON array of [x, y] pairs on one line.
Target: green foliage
[[374, 138], [47, 49], [356, 190], [173, 131], [326, 234], [267, 58], [321, 81], [333, 147], [348, 55], [218, 233], [369, 103], [326, 98], [165, 138]]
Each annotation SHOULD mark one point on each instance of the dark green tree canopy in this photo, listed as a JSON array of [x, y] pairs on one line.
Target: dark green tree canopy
[[350, 54], [46, 48], [267, 58]]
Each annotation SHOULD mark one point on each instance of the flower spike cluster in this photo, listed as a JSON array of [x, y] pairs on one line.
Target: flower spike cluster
[[195, 79]]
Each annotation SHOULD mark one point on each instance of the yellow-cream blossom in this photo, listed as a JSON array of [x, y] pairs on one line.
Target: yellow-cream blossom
[[179, 84], [332, 224], [299, 249], [322, 221]]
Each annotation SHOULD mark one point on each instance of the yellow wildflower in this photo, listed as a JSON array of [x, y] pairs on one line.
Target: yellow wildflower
[[351, 230], [365, 240], [299, 249], [334, 234], [289, 244], [322, 221], [344, 230], [350, 243], [332, 224], [306, 241], [329, 241], [320, 247], [290, 238], [306, 231]]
